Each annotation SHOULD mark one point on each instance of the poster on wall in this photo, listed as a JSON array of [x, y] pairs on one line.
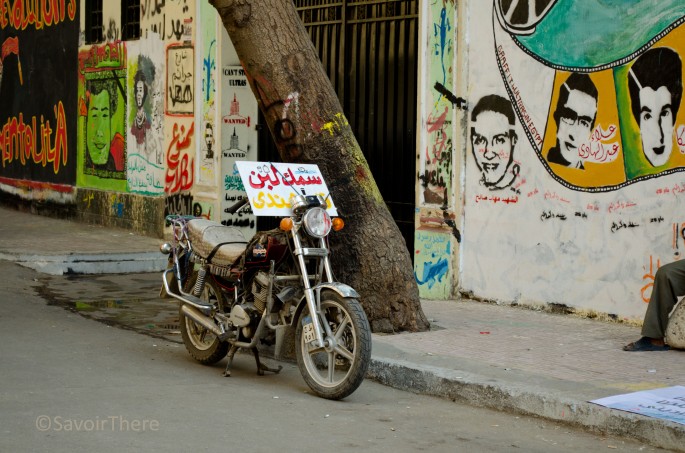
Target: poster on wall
[[145, 163], [238, 142], [38, 85]]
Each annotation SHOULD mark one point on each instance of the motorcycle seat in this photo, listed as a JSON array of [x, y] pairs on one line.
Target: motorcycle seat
[[219, 244]]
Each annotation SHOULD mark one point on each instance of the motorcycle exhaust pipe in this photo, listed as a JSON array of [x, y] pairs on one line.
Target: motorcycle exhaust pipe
[[204, 321]]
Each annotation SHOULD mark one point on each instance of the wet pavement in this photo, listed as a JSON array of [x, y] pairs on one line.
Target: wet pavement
[[127, 301]]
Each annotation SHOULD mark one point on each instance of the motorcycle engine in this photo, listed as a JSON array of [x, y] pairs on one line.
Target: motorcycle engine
[[260, 289]]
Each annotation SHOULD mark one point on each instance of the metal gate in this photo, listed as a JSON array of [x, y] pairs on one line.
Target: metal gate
[[369, 50]]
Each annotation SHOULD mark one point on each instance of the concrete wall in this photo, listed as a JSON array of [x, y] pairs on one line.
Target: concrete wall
[[587, 231]]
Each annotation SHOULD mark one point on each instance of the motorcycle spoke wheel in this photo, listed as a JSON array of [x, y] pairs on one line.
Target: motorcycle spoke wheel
[[200, 343], [337, 369]]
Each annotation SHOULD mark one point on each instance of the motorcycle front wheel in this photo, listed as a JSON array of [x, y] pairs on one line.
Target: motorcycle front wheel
[[203, 345], [337, 369]]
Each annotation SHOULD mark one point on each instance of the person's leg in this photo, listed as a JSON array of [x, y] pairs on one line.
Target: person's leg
[[669, 284]]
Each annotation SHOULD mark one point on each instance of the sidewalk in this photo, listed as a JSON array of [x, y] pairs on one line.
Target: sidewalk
[[503, 357]]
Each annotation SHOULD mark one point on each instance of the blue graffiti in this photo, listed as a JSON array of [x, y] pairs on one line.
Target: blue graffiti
[[442, 29], [209, 64], [433, 272]]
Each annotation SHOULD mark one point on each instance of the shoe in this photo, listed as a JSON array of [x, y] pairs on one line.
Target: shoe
[[645, 344]]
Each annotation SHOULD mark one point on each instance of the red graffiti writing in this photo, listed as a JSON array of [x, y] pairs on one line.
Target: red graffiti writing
[[620, 205], [20, 141], [646, 291], [37, 13], [181, 165], [549, 195]]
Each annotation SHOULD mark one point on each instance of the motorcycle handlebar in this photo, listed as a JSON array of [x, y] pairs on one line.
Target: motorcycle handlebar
[[233, 209]]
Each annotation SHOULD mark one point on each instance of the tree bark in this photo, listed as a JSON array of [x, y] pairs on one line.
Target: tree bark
[[307, 123]]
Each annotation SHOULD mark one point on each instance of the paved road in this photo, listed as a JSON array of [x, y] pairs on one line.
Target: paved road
[[72, 384]]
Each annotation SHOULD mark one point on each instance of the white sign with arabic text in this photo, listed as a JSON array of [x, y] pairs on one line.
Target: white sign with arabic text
[[270, 186]]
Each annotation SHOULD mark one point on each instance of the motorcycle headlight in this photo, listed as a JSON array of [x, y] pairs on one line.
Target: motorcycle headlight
[[317, 222]]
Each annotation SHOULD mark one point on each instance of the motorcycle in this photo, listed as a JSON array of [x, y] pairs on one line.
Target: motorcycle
[[235, 293]]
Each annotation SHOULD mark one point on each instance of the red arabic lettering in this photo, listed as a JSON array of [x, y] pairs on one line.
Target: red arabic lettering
[[181, 168]]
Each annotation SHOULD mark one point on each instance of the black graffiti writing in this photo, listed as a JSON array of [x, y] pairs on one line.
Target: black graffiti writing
[[180, 204], [150, 8], [239, 223], [547, 215], [615, 226], [432, 177]]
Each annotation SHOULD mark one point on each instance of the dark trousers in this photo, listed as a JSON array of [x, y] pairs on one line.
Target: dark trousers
[[669, 285]]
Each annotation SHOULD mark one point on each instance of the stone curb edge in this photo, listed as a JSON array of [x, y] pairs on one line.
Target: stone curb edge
[[473, 390], [95, 263]]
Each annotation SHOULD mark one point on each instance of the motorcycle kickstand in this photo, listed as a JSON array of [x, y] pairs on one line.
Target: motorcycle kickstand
[[261, 368], [231, 353]]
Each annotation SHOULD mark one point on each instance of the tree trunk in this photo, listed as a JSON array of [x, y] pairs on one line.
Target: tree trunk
[[308, 126]]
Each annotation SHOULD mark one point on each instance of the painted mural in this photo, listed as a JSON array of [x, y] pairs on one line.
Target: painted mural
[[574, 200], [174, 21], [102, 102], [145, 126], [436, 166], [207, 54], [238, 142], [435, 174], [38, 83]]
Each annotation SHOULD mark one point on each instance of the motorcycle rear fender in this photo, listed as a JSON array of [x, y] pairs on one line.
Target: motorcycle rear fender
[[340, 288]]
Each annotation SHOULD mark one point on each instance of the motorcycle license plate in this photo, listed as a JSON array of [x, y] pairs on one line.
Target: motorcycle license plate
[[308, 330]]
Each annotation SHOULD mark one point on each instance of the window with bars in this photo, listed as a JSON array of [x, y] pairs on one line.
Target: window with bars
[[130, 19], [95, 30]]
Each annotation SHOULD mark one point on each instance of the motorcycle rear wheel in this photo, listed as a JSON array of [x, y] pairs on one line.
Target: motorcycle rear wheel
[[335, 371], [201, 344]]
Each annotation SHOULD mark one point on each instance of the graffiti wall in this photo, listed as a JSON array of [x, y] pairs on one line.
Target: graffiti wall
[[575, 151], [436, 163], [38, 85], [207, 68]]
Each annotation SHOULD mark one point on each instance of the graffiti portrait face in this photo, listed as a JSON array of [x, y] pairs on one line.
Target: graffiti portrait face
[[656, 124], [98, 134], [140, 93], [493, 145], [575, 124]]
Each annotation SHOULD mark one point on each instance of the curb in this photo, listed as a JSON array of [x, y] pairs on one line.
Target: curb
[[95, 263], [491, 393]]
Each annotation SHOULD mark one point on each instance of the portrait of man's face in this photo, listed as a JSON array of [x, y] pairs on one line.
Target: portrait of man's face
[[140, 93], [493, 145], [656, 124], [574, 127], [655, 87], [209, 138], [98, 127]]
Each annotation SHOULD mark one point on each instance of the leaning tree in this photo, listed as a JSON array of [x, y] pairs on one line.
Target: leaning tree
[[307, 124]]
